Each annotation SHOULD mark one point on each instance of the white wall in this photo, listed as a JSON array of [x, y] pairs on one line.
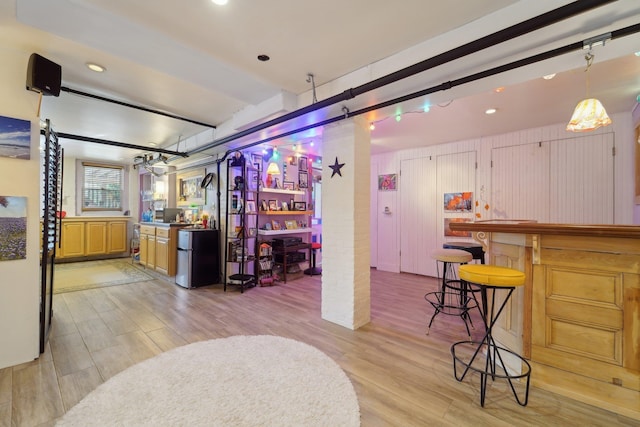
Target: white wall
[[19, 286], [387, 237]]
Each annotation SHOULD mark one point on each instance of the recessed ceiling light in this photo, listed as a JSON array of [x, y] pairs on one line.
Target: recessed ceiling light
[[637, 53], [549, 76], [490, 111], [499, 89], [263, 57], [153, 144], [220, 2], [95, 67]]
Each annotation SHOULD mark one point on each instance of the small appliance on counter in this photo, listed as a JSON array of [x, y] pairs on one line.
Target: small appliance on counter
[[198, 257], [169, 215]]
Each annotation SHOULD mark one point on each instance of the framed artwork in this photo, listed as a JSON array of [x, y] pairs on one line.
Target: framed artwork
[[275, 224], [288, 185], [256, 160], [263, 205], [449, 232], [303, 179], [189, 188], [388, 182], [291, 224], [273, 205], [15, 138], [251, 206], [303, 164], [299, 206], [285, 207], [458, 202], [13, 228]]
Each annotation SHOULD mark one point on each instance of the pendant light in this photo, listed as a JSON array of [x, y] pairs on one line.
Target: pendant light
[[589, 113]]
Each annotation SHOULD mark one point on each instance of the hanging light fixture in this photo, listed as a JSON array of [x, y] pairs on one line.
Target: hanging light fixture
[[272, 169], [589, 113]]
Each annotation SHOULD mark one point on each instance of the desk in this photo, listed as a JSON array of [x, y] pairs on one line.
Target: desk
[[284, 250]]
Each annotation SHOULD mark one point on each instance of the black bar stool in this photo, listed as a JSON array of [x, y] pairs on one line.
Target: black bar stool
[[475, 249], [453, 297], [490, 277]]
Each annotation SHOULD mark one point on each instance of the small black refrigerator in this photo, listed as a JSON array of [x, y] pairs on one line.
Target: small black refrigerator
[[198, 257]]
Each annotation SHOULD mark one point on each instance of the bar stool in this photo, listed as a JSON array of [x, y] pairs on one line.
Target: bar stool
[[490, 277], [313, 270], [453, 297], [474, 249]]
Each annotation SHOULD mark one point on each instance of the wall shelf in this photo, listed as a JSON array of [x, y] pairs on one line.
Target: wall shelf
[[277, 232], [286, 212], [282, 191]]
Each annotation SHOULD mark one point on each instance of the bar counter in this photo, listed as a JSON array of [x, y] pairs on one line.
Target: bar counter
[[577, 319]]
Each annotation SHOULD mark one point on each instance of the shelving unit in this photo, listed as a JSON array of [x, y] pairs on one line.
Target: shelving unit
[[292, 223], [240, 226]]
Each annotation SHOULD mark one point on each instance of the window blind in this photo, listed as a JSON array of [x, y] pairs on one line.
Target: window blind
[[102, 189]]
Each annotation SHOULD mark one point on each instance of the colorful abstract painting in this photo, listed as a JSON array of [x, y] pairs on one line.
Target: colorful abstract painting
[[13, 228], [15, 138], [458, 202], [388, 182]]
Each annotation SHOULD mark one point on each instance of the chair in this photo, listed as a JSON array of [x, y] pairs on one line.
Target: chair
[[494, 278]]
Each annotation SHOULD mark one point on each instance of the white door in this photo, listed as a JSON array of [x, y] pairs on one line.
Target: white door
[[418, 215]]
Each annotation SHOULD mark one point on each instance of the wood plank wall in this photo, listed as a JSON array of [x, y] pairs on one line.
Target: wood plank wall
[[546, 174]]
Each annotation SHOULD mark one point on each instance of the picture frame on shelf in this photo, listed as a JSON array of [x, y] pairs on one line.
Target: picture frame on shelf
[[267, 226], [263, 205], [299, 206], [251, 206], [285, 207], [273, 205], [291, 224], [288, 185], [303, 163], [303, 179], [256, 160], [275, 224]]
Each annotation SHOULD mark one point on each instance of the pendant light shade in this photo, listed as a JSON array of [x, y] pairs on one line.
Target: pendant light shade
[[589, 115], [273, 169]]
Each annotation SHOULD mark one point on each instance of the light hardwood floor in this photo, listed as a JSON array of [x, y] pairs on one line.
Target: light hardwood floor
[[402, 376]]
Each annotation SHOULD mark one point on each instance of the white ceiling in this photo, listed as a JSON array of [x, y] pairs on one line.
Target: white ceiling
[[198, 60]]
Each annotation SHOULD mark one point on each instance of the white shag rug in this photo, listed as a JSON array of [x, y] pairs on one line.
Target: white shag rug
[[237, 381]]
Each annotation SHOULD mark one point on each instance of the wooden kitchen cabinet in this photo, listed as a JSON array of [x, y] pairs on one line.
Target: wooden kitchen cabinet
[[147, 247], [162, 249], [117, 237], [92, 237], [144, 248], [159, 246], [96, 238], [72, 240]]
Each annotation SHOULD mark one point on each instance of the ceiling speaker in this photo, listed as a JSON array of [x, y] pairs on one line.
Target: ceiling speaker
[[43, 76]]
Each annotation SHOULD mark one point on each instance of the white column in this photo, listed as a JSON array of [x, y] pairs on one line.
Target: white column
[[345, 224]]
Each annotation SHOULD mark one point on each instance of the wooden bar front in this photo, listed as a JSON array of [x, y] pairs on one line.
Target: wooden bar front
[[578, 318]]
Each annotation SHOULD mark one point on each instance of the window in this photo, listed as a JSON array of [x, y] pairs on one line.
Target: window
[[102, 188]]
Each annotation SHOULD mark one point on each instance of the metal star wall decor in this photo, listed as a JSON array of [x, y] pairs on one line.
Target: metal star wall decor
[[336, 168]]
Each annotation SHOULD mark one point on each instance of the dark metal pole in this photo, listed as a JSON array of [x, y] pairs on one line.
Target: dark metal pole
[[119, 144], [137, 107], [493, 39], [632, 29]]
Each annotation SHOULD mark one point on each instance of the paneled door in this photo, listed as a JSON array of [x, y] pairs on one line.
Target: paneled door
[[418, 228]]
